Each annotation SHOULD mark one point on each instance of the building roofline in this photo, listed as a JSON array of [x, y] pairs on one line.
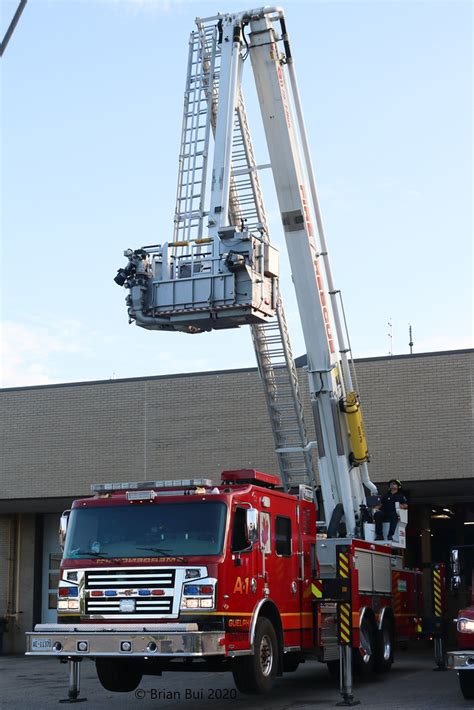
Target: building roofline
[[300, 361]]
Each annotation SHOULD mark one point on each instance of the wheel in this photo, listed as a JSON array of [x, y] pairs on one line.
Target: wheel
[[118, 675], [291, 661], [466, 683], [364, 656], [255, 674], [384, 642]]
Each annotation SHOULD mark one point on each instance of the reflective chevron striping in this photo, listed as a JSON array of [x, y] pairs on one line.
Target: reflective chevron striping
[[344, 620], [344, 626], [317, 589], [437, 593], [343, 565]]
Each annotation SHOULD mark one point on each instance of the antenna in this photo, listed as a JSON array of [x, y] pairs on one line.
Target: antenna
[[411, 339], [390, 337]]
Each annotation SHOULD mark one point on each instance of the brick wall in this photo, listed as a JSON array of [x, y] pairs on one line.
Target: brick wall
[[56, 440], [419, 416]]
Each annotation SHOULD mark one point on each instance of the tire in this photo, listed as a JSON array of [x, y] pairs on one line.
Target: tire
[[384, 643], [118, 675], [255, 674], [364, 656], [466, 683]]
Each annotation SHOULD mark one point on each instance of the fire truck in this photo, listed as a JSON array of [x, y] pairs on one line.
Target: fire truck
[[462, 660], [250, 575], [189, 575]]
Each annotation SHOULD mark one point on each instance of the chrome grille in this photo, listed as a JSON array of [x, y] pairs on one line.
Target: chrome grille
[[160, 578], [97, 605]]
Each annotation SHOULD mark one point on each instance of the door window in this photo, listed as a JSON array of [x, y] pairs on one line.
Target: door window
[[239, 538], [283, 536]]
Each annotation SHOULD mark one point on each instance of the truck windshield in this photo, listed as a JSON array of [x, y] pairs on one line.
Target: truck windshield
[[164, 530]]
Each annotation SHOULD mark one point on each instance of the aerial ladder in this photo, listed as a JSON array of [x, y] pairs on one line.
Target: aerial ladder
[[220, 269]]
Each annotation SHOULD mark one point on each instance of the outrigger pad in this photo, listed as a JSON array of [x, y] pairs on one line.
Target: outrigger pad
[[348, 701]]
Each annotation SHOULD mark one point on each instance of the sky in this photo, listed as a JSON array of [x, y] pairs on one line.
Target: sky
[[91, 103]]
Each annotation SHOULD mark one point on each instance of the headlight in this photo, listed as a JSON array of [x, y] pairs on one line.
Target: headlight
[[68, 598], [206, 603], [198, 596], [189, 604], [465, 626]]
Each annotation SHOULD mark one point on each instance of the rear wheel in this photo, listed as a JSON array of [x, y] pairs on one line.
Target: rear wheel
[[119, 675], [466, 682], [364, 656], [255, 674], [384, 647]]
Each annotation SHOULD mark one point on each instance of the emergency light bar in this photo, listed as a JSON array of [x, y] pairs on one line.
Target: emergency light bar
[[250, 475], [135, 485]]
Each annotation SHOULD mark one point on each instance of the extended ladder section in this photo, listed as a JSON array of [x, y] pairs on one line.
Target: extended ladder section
[[221, 271], [201, 87], [271, 340]]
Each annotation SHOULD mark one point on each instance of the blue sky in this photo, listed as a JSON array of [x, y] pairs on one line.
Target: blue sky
[[91, 114]]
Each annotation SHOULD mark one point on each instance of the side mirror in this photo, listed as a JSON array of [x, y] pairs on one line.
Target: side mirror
[[455, 582], [63, 521], [251, 525]]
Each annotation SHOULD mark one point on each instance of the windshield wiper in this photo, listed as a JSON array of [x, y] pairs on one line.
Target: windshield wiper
[[89, 553], [162, 551]]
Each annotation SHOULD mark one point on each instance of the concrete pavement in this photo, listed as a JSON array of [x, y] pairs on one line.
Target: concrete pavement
[[39, 683]]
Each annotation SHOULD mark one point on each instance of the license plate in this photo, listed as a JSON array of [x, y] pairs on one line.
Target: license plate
[[41, 644]]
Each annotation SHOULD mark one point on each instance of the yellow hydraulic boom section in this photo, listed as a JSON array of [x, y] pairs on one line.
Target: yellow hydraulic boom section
[[355, 422]]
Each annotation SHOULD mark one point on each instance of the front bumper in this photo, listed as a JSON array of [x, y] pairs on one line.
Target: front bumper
[[460, 660], [119, 640]]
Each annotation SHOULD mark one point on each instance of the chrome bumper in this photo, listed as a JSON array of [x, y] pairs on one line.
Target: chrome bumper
[[91, 640], [460, 660]]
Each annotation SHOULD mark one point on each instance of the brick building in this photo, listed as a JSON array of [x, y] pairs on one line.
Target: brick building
[[58, 439]]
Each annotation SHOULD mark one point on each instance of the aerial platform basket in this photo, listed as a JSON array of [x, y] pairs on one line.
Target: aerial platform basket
[[203, 285]]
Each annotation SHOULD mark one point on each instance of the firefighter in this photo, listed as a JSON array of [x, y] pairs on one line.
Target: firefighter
[[387, 512]]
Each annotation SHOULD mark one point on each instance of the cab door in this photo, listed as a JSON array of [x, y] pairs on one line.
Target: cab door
[[242, 573], [283, 569]]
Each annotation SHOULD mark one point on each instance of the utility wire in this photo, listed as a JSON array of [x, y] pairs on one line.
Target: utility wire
[[12, 26]]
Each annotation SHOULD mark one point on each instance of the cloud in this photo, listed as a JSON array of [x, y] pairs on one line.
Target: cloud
[[30, 353]]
